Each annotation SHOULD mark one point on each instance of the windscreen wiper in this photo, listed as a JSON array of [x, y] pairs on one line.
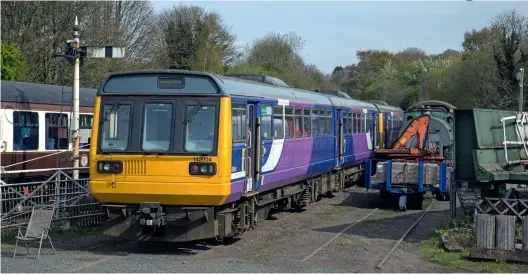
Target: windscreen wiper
[[193, 112], [112, 110]]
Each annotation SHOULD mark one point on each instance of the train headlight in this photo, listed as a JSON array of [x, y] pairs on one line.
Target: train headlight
[[202, 168], [109, 166]]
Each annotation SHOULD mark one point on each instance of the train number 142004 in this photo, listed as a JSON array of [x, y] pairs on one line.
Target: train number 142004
[[202, 159]]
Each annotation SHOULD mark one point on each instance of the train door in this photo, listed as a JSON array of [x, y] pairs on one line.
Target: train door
[[264, 139], [341, 142], [251, 151], [259, 142]]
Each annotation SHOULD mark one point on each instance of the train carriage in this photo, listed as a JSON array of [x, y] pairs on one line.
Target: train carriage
[[193, 155], [35, 123]]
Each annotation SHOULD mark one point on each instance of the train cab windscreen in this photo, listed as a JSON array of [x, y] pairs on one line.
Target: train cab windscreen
[[172, 119]]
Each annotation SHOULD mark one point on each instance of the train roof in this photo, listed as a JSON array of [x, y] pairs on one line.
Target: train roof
[[432, 104], [387, 108], [245, 87], [44, 94], [238, 86], [261, 79]]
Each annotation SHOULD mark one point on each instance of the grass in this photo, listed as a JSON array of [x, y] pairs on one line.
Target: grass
[[9, 238], [461, 230]]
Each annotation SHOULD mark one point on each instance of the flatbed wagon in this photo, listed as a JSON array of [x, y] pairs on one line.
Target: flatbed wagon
[[408, 180]]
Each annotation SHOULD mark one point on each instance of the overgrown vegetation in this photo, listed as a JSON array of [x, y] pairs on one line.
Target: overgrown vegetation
[[462, 231], [189, 37], [14, 65]]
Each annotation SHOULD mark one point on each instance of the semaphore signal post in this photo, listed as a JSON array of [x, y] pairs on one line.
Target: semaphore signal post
[[75, 53]]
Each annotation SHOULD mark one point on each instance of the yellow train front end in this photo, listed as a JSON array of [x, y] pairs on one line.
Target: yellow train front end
[[160, 154]]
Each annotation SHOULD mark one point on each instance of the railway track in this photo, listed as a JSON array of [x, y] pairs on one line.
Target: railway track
[[366, 217]]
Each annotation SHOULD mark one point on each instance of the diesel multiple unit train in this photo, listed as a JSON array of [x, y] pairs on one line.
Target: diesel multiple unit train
[[186, 155]]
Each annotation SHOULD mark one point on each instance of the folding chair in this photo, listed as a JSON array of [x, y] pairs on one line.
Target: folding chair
[[37, 229]]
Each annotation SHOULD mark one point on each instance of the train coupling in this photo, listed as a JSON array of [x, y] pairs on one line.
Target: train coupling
[[151, 215]]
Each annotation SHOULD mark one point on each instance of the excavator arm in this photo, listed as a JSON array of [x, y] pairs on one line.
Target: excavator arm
[[417, 127]]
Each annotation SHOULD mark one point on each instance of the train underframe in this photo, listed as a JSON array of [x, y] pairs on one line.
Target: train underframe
[[151, 221]]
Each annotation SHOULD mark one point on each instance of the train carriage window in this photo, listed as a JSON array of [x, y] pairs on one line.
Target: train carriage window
[[56, 131], [315, 124], [85, 126], [307, 123], [358, 122], [288, 115], [298, 123], [370, 123], [86, 121], [328, 129], [366, 125], [345, 121], [322, 122], [266, 128], [116, 128], [25, 130], [358, 116], [349, 123], [157, 127], [238, 122], [278, 124], [200, 129], [350, 119], [363, 123], [354, 123]]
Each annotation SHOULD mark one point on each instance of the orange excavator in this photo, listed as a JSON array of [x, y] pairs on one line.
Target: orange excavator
[[418, 127]]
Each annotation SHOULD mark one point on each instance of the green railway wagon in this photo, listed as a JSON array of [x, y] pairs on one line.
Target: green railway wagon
[[490, 149]]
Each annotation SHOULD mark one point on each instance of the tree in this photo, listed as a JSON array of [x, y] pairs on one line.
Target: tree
[[279, 49], [411, 54], [359, 76], [509, 52], [479, 39], [278, 55], [196, 39], [14, 65], [41, 29]]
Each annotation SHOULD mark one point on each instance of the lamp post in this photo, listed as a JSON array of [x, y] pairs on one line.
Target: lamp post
[[520, 78]]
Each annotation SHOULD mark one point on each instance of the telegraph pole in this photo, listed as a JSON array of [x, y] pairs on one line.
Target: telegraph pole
[[75, 95]]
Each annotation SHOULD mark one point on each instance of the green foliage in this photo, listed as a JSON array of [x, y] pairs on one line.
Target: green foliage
[[14, 65], [277, 55], [483, 75], [189, 37], [462, 231], [196, 39]]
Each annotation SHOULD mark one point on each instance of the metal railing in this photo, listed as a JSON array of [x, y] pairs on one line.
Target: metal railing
[[521, 121], [72, 199]]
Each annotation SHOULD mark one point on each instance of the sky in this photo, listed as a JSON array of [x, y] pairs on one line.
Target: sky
[[334, 31]]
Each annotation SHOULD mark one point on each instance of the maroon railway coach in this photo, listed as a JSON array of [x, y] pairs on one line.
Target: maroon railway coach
[[35, 126]]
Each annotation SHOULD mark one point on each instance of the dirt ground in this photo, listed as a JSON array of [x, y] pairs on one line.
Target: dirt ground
[[315, 240]]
